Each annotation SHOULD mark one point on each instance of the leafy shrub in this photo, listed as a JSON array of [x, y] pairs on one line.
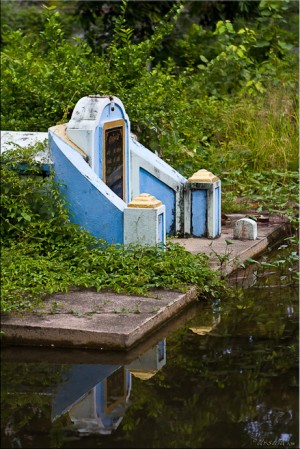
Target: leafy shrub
[[186, 114]]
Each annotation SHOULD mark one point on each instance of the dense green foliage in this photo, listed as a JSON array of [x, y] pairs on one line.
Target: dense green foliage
[[188, 111], [219, 94]]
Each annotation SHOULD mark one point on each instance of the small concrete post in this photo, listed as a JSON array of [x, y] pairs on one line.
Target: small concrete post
[[245, 229], [205, 205], [145, 221]]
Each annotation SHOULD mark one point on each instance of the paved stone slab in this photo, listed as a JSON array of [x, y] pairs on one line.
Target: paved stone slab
[[95, 320], [107, 321], [268, 234], [71, 355]]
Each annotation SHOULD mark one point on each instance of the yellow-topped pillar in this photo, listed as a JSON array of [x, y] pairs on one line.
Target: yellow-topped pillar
[[145, 221], [203, 176], [203, 198], [145, 200]]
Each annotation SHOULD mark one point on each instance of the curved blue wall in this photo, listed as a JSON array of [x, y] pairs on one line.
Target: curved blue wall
[[92, 205]]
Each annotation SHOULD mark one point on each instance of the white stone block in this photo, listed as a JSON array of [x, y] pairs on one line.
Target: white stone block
[[144, 221], [245, 229]]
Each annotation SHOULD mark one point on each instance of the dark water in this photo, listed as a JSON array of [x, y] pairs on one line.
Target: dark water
[[226, 376]]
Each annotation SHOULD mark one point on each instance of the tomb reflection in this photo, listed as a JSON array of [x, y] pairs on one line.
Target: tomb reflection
[[95, 397]]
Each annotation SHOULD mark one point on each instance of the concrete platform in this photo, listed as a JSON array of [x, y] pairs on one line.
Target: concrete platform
[[88, 319], [108, 321], [268, 234]]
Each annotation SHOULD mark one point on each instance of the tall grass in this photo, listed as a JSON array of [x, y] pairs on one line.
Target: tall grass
[[262, 135]]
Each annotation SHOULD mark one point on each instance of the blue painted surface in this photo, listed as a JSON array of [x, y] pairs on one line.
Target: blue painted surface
[[23, 169], [161, 234], [91, 203], [78, 381], [161, 346], [152, 185], [217, 218], [199, 212]]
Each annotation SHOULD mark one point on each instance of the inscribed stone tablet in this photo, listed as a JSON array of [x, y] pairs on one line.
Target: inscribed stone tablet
[[113, 153]]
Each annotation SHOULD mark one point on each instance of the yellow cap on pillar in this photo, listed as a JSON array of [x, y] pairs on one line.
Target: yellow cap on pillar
[[143, 375], [203, 176], [145, 200]]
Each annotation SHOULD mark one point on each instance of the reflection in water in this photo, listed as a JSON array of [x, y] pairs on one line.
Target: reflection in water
[[231, 381], [91, 397], [95, 396], [102, 408], [203, 330]]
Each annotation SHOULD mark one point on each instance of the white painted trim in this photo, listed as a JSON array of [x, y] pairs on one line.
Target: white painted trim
[[211, 212], [211, 191], [187, 212]]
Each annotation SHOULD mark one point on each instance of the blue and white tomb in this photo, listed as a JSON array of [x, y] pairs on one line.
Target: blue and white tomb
[[119, 190]]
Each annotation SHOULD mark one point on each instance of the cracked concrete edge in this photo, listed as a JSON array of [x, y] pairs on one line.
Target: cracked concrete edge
[[258, 248], [26, 335], [59, 355], [164, 315]]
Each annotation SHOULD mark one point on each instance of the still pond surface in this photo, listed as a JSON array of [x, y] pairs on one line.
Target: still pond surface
[[226, 376]]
